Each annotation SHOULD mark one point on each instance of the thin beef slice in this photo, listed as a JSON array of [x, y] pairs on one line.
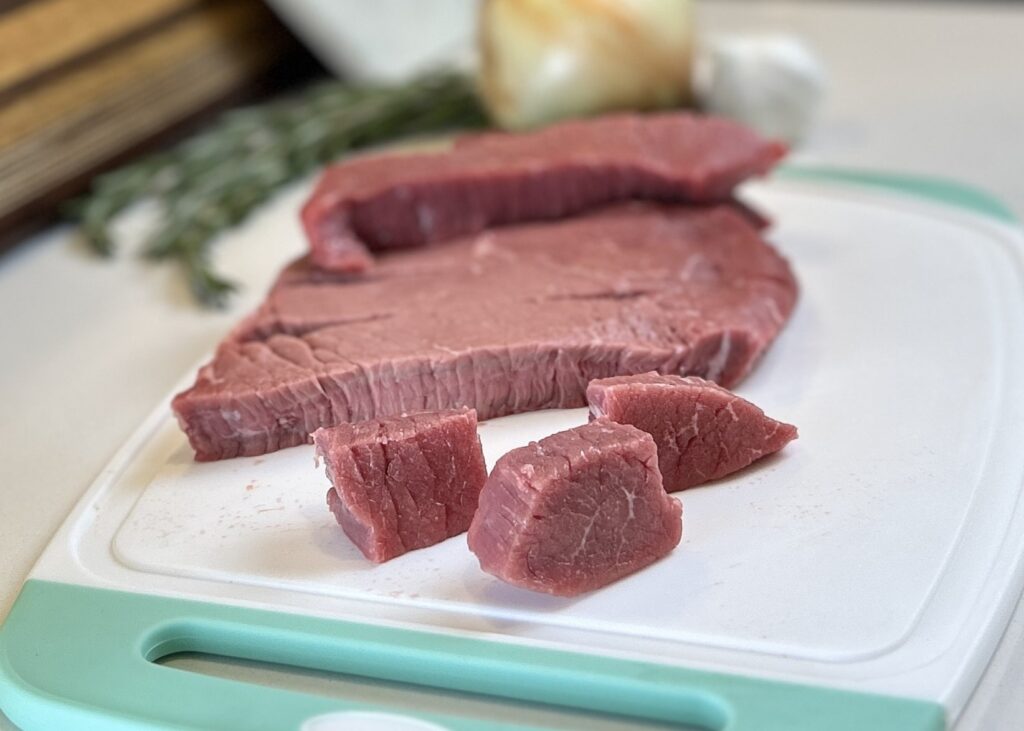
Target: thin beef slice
[[575, 511], [703, 431], [389, 200], [514, 320], [403, 482]]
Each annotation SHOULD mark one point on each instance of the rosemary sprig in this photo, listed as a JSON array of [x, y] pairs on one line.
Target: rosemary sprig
[[213, 180]]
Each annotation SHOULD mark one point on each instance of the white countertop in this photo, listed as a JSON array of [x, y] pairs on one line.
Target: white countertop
[[90, 345]]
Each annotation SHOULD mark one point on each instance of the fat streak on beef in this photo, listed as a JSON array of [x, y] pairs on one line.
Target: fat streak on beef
[[517, 319], [389, 200], [403, 482], [575, 511], [703, 431]]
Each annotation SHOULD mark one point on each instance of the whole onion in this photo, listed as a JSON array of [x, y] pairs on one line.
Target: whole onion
[[544, 60]]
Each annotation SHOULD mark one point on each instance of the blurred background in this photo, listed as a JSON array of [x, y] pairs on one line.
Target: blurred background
[[86, 85]]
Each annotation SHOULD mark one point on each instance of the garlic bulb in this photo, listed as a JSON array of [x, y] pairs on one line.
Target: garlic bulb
[[773, 83], [544, 60]]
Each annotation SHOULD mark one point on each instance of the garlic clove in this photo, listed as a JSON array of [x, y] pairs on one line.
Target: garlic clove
[[773, 83]]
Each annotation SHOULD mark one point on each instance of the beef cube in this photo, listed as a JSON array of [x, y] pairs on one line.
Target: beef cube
[[575, 511], [403, 482], [703, 431]]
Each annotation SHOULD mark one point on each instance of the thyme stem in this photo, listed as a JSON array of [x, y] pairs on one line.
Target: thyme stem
[[212, 181]]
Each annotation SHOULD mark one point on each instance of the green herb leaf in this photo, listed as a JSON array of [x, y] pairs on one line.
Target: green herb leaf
[[213, 180]]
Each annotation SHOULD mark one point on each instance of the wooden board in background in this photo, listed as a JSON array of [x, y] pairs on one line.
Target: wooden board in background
[[84, 83]]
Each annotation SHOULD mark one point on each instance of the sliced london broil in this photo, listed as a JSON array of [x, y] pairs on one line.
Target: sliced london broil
[[575, 511], [703, 431], [514, 320], [390, 201], [403, 482]]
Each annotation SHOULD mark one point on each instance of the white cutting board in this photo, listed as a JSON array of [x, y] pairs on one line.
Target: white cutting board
[[878, 553]]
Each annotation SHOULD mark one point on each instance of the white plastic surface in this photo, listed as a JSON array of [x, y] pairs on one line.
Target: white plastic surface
[[880, 551]]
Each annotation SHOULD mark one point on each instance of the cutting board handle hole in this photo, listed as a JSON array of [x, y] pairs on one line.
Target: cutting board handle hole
[[405, 678]]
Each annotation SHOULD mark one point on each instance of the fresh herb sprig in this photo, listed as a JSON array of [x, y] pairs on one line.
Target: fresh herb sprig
[[212, 181]]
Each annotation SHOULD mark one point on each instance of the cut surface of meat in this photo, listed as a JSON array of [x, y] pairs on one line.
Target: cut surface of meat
[[403, 482], [703, 431], [575, 511], [518, 319], [390, 200]]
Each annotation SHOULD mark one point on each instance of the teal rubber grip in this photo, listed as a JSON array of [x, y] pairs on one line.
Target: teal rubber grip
[[935, 189], [83, 658]]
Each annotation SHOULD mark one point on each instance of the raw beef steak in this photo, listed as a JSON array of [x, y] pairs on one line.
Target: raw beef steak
[[392, 200], [518, 319], [575, 511], [403, 482], [702, 430]]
